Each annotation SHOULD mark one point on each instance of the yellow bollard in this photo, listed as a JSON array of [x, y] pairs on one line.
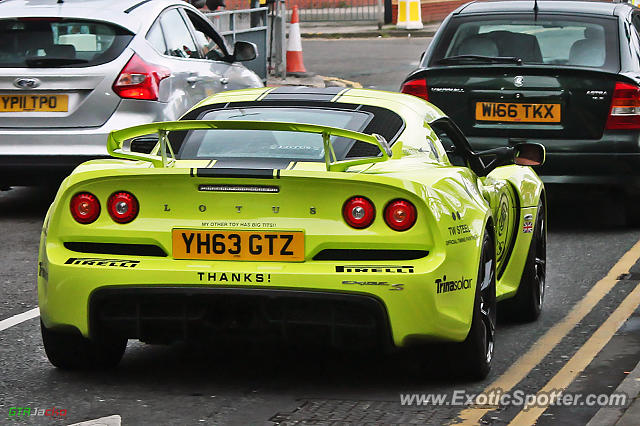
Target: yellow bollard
[[409, 15]]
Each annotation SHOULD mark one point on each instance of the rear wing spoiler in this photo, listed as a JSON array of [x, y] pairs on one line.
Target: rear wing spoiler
[[164, 156]]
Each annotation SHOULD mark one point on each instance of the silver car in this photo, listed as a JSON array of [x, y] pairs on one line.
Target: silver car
[[71, 71]]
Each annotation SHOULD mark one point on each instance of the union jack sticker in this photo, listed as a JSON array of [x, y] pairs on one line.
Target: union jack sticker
[[527, 227]]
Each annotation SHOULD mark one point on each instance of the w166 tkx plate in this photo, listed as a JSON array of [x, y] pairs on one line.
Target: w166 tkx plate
[[215, 244], [515, 112]]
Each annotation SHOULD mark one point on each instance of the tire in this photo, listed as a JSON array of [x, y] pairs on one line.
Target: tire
[[72, 351], [526, 306], [476, 352]]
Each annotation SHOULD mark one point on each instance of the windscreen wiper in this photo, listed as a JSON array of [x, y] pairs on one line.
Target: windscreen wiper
[[41, 62], [461, 59]]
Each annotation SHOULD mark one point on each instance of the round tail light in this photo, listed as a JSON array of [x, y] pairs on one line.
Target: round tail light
[[85, 207], [358, 212], [400, 215], [123, 207]]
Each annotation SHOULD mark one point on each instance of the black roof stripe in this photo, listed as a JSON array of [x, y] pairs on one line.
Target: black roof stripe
[[136, 6]]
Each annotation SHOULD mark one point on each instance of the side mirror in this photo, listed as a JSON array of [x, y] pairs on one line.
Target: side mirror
[[529, 154], [244, 51], [522, 154]]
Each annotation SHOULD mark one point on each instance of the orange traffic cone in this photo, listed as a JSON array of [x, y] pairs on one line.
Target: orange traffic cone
[[295, 64]]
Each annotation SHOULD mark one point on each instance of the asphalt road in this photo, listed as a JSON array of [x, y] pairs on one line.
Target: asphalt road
[[380, 63], [258, 384], [263, 384]]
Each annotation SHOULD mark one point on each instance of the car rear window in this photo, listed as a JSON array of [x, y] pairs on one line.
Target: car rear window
[[545, 40], [53, 42], [295, 146]]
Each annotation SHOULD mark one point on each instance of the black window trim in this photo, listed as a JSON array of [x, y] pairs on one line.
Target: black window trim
[[164, 32], [461, 145], [218, 39], [135, 6]]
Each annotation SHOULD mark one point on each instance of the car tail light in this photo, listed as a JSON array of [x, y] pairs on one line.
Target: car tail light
[[140, 80], [85, 207], [400, 215], [416, 88], [358, 212], [625, 107], [123, 207]]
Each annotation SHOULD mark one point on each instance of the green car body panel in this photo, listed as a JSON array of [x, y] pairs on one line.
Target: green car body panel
[[454, 209]]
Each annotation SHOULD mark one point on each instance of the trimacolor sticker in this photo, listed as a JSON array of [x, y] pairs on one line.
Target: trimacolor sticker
[[445, 286]]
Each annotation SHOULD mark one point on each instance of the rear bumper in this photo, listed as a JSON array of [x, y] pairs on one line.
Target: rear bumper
[[161, 299], [615, 169], [39, 169], [581, 163], [166, 314]]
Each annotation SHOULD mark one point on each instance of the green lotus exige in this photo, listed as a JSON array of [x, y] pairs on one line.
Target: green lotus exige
[[339, 216]]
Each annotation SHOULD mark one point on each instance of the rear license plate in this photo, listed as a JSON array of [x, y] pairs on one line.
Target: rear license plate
[[34, 103], [515, 112], [238, 245]]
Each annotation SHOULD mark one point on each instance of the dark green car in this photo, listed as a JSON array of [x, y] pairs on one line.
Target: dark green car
[[565, 74]]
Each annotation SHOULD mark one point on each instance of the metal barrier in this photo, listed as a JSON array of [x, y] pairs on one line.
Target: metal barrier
[[338, 10], [246, 25]]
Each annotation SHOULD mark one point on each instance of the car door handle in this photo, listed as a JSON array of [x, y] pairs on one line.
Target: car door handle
[[224, 80], [193, 80]]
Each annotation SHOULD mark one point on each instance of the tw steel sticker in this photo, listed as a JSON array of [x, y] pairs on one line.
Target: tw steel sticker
[[459, 230], [93, 261], [375, 269], [461, 240], [234, 277], [463, 234]]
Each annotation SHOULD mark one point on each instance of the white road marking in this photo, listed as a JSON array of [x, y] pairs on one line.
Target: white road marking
[[102, 421], [17, 319]]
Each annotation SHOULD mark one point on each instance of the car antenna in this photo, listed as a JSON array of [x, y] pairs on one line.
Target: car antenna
[[60, 1], [535, 9]]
